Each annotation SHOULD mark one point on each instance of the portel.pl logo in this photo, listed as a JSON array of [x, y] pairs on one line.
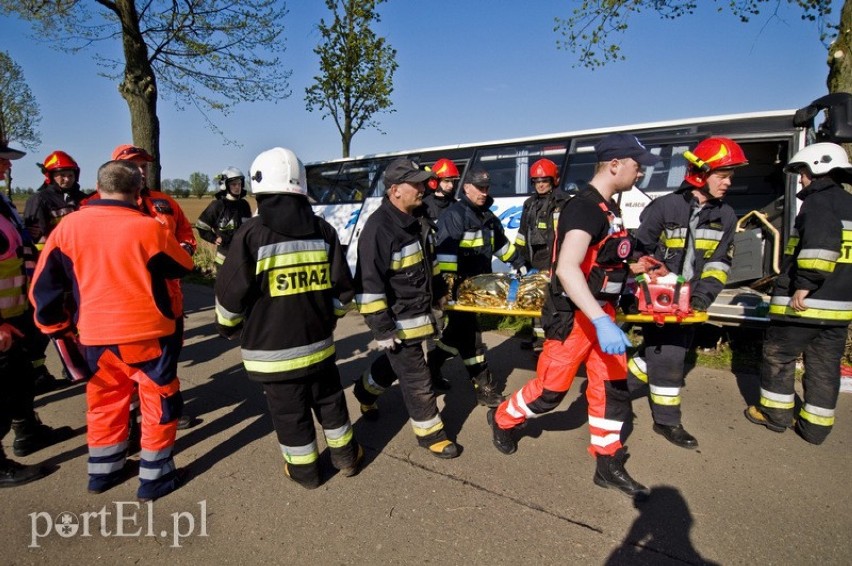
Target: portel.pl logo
[[127, 519]]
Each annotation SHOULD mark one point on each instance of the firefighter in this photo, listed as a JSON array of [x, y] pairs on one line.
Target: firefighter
[[579, 317], [57, 197], [286, 265], [166, 210], [399, 289], [442, 188], [18, 336], [116, 260], [537, 230], [226, 213], [468, 235], [691, 232], [811, 305]]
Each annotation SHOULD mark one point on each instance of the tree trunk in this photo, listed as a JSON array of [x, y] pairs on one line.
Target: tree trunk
[[840, 53], [139, 88]]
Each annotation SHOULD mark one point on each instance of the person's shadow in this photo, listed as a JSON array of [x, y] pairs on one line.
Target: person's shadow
[[660, 535]]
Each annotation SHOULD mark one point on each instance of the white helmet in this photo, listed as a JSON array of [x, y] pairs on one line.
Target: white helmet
[[277, 171], [227, 175], [819, 158]]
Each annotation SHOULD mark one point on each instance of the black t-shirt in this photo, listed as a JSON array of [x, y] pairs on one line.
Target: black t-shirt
[[583, 212]]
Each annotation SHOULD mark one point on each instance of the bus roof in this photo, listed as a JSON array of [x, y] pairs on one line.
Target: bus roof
[[576, 133]]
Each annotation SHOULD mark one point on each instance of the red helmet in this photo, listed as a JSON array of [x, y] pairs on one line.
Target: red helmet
[[711, 155], [545, 168], [443, 169], [58, 161]]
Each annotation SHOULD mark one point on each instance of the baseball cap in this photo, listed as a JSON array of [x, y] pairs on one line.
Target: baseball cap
[[404, 170], [478, 177], [621, 146], [128, 152]]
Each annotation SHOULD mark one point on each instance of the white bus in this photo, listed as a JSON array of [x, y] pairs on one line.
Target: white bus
[[346, 191]]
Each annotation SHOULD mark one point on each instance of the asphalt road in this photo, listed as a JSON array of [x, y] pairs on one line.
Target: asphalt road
[[747, 495]]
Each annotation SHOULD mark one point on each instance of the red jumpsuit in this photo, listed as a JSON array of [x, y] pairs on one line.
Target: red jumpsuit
[[571, 339], [117, 262]]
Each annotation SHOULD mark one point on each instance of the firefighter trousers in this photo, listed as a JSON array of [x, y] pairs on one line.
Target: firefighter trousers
[[822, 348], [150, 365], [607, 394], [294, 403], [659, 364], [461, 337], [18, 391], [407, 364]]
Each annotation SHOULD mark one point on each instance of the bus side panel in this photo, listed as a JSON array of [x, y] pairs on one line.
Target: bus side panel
[[344, 218], [371, 204]]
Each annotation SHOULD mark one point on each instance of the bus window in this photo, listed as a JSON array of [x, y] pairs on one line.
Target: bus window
[[340, 184], [322, 180], [509, 165]]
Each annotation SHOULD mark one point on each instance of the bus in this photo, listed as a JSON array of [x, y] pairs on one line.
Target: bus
[[346, 191]]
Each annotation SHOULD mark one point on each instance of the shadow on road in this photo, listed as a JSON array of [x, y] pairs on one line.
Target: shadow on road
[[660, 534]]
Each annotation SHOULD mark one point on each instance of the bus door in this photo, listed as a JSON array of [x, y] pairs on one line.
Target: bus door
[[509, 167], [371, 203], [337, 191]]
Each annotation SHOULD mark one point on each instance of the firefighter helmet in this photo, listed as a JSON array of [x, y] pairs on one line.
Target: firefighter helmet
[[819, 159], [711, 155], [277, 171], [228, 175], [58, 161], [545, 168], [443, 169]]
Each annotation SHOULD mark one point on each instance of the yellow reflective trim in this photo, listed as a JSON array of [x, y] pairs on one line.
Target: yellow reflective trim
[[816, 264], [407, 261], [637, 372], [341, 441], [509, 251], [301, 460], [674, 243], [785, 310], [427, 431], [665, 400], [790, 248], [301, 279], [770, 404], [816, 419], [373, 307], [720, 275], [447, 267], [417, 332], [706, 244], [290, 259], [288, 365], [474, 243]]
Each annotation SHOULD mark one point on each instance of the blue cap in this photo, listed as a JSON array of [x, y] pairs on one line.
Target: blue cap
[[622, 146]]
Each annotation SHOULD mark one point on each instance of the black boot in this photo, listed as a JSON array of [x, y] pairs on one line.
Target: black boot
[[610, 472], [435, 360], [347, 459], [44, 381], [677, 435], [503, 439], [487, 393], [31, 435], [306, 475], [12, 473]]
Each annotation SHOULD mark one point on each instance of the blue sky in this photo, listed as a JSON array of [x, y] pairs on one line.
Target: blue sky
[[468, 71]]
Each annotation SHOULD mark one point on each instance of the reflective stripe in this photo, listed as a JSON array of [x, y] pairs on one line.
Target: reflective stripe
[[669, 396], [817, 259], [340, 309], [225, 317], [637, 366], [369, 303], [520, 240], [673, 238], [283, 254], [412, 254], [474, 239], [817, 415], [425, 428], [111, 450], [201, 225], [338, 437], [288, 359], [817, 309], [777, 400], [153, 455], [505, 252], [605, 440], [220, 258], [151, 474], [370, 385], [473, 360], [716, 269], [517, 407], [416, 327], [449, 263], [606, 424], [296, 455]]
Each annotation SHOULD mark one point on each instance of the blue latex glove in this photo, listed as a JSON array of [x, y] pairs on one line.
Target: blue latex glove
[[610, 336]]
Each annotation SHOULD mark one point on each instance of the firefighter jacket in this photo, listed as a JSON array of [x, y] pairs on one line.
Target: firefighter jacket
[[114, 262], [222, 218], [47, 207], [283, 284], [13, 279], [818, 257], [468, 235], [537, 230], [397, 279], [604, 264], [435, 206], [664, 233]]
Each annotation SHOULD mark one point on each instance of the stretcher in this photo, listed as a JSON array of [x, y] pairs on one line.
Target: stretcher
[[694, 318]]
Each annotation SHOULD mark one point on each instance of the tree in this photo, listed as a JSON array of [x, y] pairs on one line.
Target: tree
[[357, 69], [19, 112], [198, 184], [592, 29], [210, 54]]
